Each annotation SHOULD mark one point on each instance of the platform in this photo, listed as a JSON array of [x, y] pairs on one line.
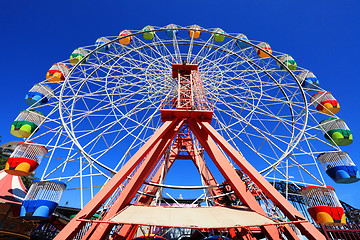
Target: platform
[[188, 217]]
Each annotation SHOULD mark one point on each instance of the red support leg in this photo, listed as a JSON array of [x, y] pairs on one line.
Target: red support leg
[[134, 184], [246, 234], [289, 210], [128, 230], [271, 232], [233, 234], [231, 176], [145, 200], [204, 171], [289, 233], [132, 232], [74, 226], [96, 227]]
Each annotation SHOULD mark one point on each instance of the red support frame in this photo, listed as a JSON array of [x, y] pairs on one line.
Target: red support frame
[[182, 142], [134, 184], [231, 176], [306, 228], [198, 122], [75, 225]]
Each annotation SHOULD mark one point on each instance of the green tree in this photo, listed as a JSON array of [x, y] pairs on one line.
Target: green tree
[[2, 160]]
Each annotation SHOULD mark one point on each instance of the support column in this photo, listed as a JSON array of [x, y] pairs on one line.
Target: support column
[[129, 230], [75, 225], [132, 187], [231, 176], [289, 210]]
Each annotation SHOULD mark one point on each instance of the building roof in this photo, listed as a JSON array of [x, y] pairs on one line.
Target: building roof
[[8, 148]]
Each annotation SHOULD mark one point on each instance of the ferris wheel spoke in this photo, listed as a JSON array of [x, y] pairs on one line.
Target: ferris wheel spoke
[[159, 48], [253, 107], [136, 141], [302, 168], [262, 135], [106, 131], [265, 133], [232, 136], [202, 51]]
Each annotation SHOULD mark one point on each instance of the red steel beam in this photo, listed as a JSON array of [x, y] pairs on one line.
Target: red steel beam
[[229, 173], [129, 230], [134, 184], [75, 225], [306, 228], [198, 162]]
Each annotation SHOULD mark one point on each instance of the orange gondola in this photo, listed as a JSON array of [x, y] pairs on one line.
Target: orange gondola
[[325, 103], [57, 72], [264, 50], [194, 31], [123, 39]]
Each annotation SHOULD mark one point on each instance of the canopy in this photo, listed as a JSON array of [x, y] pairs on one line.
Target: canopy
[[12, 189], [198, 217]]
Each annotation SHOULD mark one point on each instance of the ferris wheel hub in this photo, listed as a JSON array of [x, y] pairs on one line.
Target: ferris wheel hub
[[189, 100], [169, 114]]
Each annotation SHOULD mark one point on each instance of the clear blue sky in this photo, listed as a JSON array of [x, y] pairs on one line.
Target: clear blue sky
[[321, 35]]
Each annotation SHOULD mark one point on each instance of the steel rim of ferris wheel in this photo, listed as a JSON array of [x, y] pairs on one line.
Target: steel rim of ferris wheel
[[267, 112]]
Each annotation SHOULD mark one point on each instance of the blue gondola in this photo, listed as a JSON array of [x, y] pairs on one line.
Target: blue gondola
[[308, 80], [344, 174], [339, 167], [242, 44], [41, 200], [39, 95], [103, 41], [171, 31]]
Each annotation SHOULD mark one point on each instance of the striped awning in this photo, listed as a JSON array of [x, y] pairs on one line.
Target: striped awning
[[188, 217], [12, 189]]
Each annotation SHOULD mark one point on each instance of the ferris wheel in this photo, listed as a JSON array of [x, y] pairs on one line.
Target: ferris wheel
[[95, 110]]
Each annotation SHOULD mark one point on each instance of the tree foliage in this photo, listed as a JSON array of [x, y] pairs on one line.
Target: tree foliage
[[3, 160]]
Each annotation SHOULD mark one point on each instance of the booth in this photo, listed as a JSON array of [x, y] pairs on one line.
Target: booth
[[148, 33], [79, 54], [336, 131], [123, 39], [103, 44], [57, 72], [266, 49], [217, 35], [288, 61], [194, 31], [171, 31], [242, 44], [308, 80]]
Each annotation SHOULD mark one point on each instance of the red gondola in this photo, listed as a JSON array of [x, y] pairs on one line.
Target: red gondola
[[323, 204], [25, 158], [325, 103]]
